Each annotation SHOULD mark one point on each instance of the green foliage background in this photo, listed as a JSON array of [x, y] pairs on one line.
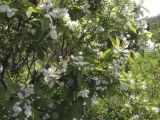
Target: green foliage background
[[94, 76]]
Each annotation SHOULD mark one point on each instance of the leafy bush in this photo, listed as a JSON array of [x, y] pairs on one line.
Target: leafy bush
[[59, 57]]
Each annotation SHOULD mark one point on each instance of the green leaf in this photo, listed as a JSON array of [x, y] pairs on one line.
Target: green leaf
[[35, 115], [133, 29], [45, 24], [104, 55], [117, 41], [55, 116], [40, 54], [31, 9], [113, 41]]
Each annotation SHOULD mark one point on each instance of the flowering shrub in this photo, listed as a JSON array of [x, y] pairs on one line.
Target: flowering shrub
[[58, 58]]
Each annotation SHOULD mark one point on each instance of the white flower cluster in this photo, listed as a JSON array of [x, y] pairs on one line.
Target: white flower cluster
[[100, 29], [94, 99], [125, 41], [84, 93], [141, 24], [155, 109], [78, 60], [26, 91], [126, 11], [53, 32], [16, 109], [51, 77], [136, 98], [19, 107], [144, 85], [46, 116], [123, 85], [46, 5], [29, 27], [118, 65], [6, 9], [150, 45], [135, 117], [130, 79], [61, 13], [100, 84]]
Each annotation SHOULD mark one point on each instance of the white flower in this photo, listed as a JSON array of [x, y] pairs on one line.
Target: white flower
[[33, 31], [50, 71], [27, 111], [150, 45], [49, 5], [52, 27], [128, 36], [132, 81], [101, 29], [20, 95], [66, 17], [42, 6], [10, 11], [84, 93], [72, 24], [80, 53], [46, 116], [53, 14], [45, 6], [61, 84], [26, 91], [53, 34], [72, 57], [16, 109], [98, 82], [135, 117], [60, 58], [126, 43], [142, 24], [126, 10], [51, 84], [15, 114], [4, 8], [155, 109], [128, 24], [144, 85], [94, 99], [1, 68]]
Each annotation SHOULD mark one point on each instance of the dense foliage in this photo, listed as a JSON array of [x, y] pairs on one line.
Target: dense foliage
[[75, 60], [154, 23]]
